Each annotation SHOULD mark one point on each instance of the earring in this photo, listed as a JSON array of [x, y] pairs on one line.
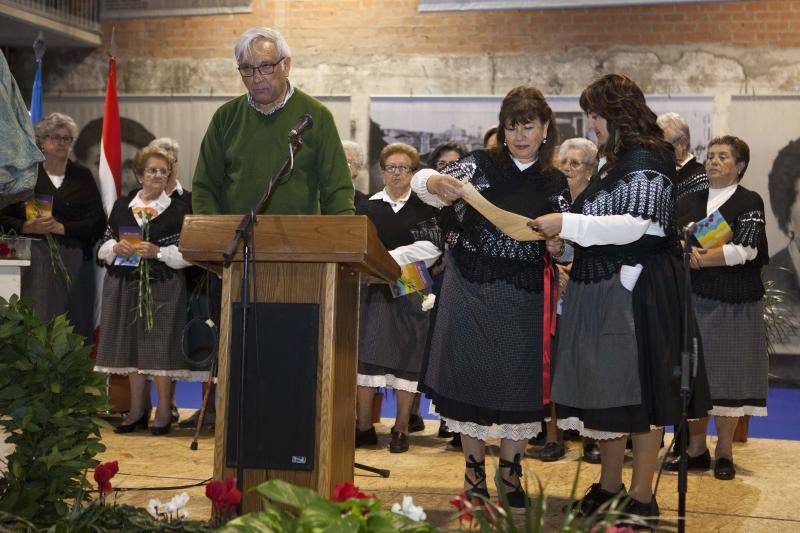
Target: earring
[[505, 143], [544, 141]]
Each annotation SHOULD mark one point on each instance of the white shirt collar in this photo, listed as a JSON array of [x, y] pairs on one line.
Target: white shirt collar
[[521, 165], [160, 204], [178, 188], [289, 93], [396, 204]]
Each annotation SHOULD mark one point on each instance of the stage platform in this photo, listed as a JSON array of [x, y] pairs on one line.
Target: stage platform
[[762, 498]]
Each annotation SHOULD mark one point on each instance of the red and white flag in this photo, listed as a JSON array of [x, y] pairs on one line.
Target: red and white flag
[[109, 176]]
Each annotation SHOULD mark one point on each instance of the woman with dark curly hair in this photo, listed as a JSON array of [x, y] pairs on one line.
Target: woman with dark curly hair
[[489, 350], [784, 195], [728, 299], [621, 331]]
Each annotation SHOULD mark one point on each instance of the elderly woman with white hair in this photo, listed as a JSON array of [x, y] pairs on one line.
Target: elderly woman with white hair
[[174, 188], [691, 175], [66, 210], [355, 162]]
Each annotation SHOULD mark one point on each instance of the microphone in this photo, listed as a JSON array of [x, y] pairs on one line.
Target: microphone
[[303, 123], [689, 228]]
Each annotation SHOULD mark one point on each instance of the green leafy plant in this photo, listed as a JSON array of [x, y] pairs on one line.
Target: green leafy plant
[[49, 397], [780, 322]]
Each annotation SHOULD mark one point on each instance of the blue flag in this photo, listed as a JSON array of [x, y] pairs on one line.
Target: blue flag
[[36, 98]]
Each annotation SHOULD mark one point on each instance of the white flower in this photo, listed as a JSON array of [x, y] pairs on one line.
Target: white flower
[[152, 507], [180, 500], [428, 301], [414, 512], [184, 514]]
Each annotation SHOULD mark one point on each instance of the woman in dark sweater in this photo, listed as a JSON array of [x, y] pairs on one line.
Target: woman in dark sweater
[[68, 208]]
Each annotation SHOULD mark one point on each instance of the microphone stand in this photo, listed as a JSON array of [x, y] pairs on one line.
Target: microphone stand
[[244, 234], [687, 370]]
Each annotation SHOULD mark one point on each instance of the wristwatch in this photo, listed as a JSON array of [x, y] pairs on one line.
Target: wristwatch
[[159, 255]]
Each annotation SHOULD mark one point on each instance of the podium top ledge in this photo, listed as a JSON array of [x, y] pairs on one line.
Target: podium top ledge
[[347, 239]]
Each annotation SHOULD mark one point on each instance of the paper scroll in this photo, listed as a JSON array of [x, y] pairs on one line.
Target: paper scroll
[[512, 224]]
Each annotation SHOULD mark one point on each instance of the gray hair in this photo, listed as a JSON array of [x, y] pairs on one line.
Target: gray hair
[[52, 122], [676, 124], [355, 149], [586, 146], [249, 38], [167, 143]]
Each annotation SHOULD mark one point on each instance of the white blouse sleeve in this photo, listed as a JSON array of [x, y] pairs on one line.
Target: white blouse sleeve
[[737, 254], [418, 251], [586, 230], [173, 257], [106, 251], [419, 184]]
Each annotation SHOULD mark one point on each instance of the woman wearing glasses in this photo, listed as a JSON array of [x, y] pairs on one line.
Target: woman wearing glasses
[[67, 208], [488, 356], [137, 338], [393, 330]]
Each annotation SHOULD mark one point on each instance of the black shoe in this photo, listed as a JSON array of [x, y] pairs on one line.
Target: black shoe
[[552, 451], [366, 438], [645, 514], [175, 414], [594, 498], [455, 442], [399, 442], [415, 424], [701, 463], [629, 442], [724, 469], [443, 431], [160, 430], [130, 428], [591, 451], [516, 497]]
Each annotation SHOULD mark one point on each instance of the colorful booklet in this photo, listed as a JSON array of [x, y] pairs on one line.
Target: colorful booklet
[[713, 231], [41, 205], [132, 234], [414, 277]]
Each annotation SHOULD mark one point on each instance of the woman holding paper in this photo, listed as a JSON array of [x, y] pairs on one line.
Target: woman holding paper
[[488, 369], [140, 338], [66, 215], [729, 249], [393, 330], [620, 336]]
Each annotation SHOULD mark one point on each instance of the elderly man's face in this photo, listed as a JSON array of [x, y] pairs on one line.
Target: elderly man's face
[[265, 89]]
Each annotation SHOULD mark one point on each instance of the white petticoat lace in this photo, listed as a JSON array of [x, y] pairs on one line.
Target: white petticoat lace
[[577, 424], [495, 431], [386, 380], [738, 411], [177, 375]]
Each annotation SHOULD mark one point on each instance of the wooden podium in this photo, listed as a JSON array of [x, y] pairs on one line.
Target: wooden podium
[[315, 260]]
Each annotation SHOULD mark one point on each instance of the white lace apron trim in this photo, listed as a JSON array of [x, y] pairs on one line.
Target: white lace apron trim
[[577, 424], [495, 431], [742, 410], [177, 375], [386, 380]]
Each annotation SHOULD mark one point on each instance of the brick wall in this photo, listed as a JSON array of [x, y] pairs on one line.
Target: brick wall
[[367, 27]]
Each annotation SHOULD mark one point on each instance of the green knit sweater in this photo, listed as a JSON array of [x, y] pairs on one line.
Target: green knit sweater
[[243, 149]]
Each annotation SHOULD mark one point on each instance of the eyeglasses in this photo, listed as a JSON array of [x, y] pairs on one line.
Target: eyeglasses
[[152, 171], [265, 69], [352, 164], [442, 163], [60, 138], [571, 163], [395, 169]]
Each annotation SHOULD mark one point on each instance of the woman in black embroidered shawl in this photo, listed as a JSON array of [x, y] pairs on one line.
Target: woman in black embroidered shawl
[[728, 301], [126, 345], [621, 335], [485, 367]]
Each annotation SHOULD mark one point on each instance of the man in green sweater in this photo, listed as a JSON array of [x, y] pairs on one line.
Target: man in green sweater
[[246, 142]]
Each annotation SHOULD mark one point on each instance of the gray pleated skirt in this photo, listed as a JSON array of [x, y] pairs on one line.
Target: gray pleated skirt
[[735, 348], [126, 346]]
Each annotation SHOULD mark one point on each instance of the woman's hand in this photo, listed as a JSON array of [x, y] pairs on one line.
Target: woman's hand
[[148, 250], [43, 226], [695, 261], [548, 225], [555, 247], [124, 249], [447, 188]]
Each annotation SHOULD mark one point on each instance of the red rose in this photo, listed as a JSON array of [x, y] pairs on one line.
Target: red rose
[[103, 474], [223, 493], [464, 507], [5, 249], [347, 491]]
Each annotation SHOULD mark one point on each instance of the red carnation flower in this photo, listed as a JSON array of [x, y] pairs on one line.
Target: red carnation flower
[[464, 507], [103, 474], [347, 491], [5, 249], [223, 494]]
